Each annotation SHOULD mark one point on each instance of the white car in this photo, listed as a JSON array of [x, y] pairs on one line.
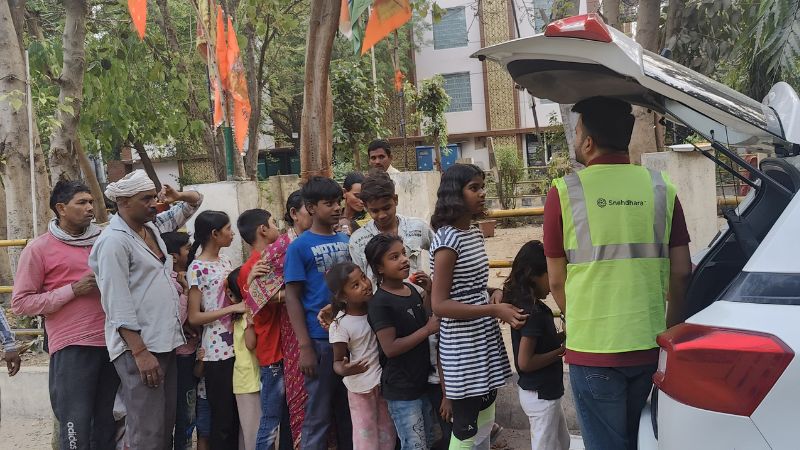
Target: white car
[[728, 378]]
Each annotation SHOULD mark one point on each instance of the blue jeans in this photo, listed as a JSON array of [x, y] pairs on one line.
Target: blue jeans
[[187, 399], [609, 401], [203, 418], [327, 403], [413, 420], [274, 411]]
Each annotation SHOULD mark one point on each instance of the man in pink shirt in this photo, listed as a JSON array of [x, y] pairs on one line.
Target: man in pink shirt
[[54, 280]]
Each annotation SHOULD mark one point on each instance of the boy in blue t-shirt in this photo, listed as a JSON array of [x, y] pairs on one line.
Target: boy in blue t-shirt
[[308, 258]]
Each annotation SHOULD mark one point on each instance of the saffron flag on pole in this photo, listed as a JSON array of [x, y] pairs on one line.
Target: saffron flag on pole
[[350, 13], [219, 117], [138, 10], [386, 16], [238, 89], [222, 50], [345, 26]]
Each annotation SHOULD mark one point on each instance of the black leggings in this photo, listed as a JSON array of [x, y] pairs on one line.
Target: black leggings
[[224, 414], [465, 414]]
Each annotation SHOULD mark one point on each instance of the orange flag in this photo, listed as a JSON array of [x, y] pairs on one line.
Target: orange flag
[[138, 10], [238, 89], [345, 27], [398, 80], [222, 49], [386, 16], [218, 116]]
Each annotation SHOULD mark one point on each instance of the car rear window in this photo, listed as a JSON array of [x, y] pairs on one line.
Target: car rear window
[[765, 288]]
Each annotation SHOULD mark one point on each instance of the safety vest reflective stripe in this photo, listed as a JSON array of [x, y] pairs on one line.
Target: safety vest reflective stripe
[[586, 252], [617, 251]]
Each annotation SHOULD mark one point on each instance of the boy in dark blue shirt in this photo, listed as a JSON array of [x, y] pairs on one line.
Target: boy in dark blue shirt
[[308, 258]]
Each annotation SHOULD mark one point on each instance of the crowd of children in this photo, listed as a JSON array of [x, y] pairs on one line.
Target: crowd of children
[[333, 334]]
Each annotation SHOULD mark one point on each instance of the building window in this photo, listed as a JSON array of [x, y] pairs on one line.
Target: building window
[[451, 30], [458, 87]]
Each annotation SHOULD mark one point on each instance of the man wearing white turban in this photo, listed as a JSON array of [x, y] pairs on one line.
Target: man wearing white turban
[[142, 327]]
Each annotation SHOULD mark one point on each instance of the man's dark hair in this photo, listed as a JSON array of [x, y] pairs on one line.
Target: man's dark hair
[[63, 192], [380, 143], [319, 189], [249, 221], [377, 185], [608, 121], [174, 240]]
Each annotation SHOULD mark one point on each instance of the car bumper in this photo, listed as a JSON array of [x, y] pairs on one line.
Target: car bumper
[[683, 427]]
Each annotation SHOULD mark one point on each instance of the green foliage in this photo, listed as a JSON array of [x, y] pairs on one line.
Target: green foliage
[[359, 106], [510, 172], [747, 44], [707, 34], [341, 167], [429, 103], [560, 165], [770, 50], [131, 88], [556, 138]]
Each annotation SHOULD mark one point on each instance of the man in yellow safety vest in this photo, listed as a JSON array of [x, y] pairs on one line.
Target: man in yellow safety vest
[[616, 244]]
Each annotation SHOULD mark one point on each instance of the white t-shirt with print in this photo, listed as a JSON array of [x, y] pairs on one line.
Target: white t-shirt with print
[[415, 233], [209, 277], [363, 345]]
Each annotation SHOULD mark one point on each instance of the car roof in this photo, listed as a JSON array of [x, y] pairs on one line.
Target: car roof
[[568, 69]]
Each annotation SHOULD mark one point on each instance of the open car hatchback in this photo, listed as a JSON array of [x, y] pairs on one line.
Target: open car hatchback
[[728, 376]]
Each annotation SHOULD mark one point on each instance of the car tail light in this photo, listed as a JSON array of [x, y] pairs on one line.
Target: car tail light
[[588, 26], [719, 369]]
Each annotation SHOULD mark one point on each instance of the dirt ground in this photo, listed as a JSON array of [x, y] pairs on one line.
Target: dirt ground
[[35, 434], [25, 433], [504, 246]]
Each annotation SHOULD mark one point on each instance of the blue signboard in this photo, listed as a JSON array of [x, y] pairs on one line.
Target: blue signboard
[[426, 155]]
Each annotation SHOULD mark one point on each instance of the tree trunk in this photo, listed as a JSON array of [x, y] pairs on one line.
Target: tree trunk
[[356, 156], [568, 118], [147, 163], [561, 9], [315, 140], [14, 148], [62, 159], [644, 138], [196, 111], [437, 162], [100, 213], [238, 165], [253, 82], [17, 8], [611, 13], [647, 23], [673, 23], [6, 275]]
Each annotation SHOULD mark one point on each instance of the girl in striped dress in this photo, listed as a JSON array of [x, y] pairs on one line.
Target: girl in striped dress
[[471, 350]]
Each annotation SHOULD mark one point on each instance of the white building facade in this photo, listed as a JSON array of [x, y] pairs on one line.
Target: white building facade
[[484, 101]]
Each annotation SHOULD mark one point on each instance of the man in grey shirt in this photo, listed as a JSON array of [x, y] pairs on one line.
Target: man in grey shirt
[[142, 327]]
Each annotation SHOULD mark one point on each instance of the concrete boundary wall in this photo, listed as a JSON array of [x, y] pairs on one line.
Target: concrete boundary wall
[[26, 394]]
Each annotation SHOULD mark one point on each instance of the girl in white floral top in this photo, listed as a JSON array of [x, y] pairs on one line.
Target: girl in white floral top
[[210, 307]]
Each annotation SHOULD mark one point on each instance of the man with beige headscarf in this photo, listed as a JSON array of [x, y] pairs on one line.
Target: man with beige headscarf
[[142, 328]]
